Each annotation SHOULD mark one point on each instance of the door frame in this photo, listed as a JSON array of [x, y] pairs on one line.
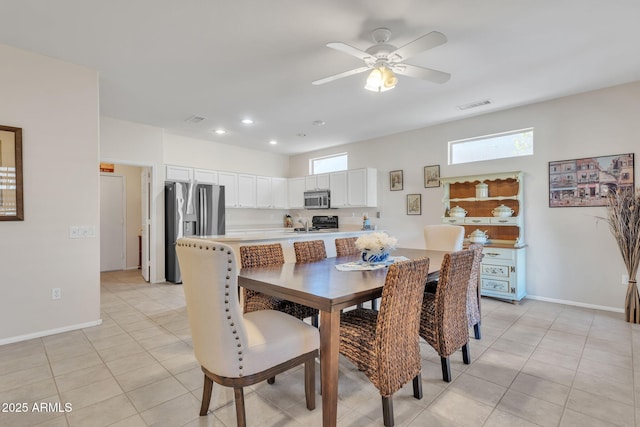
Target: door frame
[[153, 230]]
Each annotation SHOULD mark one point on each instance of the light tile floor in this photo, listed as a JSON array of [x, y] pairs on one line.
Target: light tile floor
[[537, 364]]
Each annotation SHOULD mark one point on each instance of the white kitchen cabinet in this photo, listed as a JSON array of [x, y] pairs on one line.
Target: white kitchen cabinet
[[230, 182], [362, 187], [271, 192], [338, 188], [503, 267], [278, 193], [317, 182], [296, 188], [178, 173], [246, 191], [205, 176]]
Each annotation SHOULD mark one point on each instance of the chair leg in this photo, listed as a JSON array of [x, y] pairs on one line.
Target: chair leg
[[271, 380], [240, 414], [374, 304], [446, 369], [466, 354], [314, 320], [417, 386], [387, 411], [476, 331], [206, 395], [310, 383]]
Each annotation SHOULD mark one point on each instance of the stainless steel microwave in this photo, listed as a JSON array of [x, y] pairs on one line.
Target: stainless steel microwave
[[317, 199]]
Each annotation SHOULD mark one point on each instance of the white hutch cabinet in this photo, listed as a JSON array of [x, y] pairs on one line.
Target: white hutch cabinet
[[503, 268]]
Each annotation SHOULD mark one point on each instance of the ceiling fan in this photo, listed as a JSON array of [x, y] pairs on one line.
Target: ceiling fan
[[384, 60]]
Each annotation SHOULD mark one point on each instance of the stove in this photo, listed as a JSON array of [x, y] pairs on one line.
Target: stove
[[324, 222]]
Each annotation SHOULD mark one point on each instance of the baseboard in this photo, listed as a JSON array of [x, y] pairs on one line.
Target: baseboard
[[41, 334], [576, 304]]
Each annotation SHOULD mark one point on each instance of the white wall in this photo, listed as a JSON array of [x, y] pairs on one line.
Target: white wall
[[571, 256], [56, 105]]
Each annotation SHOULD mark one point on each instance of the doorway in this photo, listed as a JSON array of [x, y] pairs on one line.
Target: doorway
[[112, 222]]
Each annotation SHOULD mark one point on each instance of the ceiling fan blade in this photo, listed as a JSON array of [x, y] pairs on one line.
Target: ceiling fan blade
[[421, 73], [341, 75], [421, 44], [350, 50]]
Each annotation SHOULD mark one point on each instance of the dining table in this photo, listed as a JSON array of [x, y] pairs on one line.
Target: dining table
[[323, 286]]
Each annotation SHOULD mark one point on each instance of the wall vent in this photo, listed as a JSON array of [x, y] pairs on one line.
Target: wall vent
[[474, 104], [194, 119]]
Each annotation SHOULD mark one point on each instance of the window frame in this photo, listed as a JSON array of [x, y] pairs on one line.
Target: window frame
[[487, 138]]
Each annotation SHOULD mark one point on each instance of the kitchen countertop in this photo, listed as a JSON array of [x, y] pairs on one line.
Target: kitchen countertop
[[282, 233]]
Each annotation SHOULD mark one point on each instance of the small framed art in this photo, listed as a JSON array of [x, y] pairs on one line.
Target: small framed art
[[414, 204], [395, 180], [432, 176]]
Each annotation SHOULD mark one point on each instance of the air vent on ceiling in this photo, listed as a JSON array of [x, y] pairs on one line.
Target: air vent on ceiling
[[194, 119], [474, 104]]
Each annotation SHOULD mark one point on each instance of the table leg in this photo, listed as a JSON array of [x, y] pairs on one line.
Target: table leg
[[329, 351]]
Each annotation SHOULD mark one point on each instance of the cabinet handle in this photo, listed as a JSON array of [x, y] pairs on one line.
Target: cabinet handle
[[491, 254], [475, 220], [502, 220]]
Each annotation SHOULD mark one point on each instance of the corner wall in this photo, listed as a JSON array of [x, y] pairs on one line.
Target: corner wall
[[56, 105]]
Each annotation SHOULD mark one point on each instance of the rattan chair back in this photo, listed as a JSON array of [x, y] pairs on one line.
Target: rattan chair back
[[346, 246], [309, 251]]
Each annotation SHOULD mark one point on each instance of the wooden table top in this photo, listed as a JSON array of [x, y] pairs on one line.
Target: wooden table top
[[320, 285]]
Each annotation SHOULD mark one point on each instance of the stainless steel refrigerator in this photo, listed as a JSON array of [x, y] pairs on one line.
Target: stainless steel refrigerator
[[190, 210]]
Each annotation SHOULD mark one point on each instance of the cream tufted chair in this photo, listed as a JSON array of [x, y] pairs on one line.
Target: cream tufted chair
[[444, 237], [237, 350]]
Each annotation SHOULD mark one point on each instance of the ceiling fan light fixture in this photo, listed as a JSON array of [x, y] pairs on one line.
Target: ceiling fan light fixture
[[381, 79]]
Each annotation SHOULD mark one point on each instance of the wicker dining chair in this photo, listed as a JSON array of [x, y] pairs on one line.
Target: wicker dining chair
[[473, 296], [385, 344], [346, 246], [444, 323], [236, 350], [309, 251], [263, 256]]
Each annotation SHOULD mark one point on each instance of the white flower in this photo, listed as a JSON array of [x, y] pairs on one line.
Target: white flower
[[376, 243]]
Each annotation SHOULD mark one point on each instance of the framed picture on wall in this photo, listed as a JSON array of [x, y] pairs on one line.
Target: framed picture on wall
[[414, 204], [587, 181], [432, 176], [395, 180]]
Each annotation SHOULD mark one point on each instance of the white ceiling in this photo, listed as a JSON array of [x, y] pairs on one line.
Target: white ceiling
[[162, 61]]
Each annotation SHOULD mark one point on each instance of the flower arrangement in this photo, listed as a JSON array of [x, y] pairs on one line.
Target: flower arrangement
[[376, 243], [623, 217]]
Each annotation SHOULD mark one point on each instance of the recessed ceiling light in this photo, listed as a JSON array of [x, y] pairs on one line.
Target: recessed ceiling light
[[273, 142], [221, 131], [318, 123], [247, 121]]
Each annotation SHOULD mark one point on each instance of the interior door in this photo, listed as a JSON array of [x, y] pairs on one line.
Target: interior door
[[112, 222], [145, 197]]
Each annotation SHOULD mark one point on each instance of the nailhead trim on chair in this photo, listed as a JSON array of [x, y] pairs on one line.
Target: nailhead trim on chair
[[227, 309]]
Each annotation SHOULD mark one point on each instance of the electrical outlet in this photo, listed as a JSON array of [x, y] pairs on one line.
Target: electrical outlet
[[625, 279], [56, 293]]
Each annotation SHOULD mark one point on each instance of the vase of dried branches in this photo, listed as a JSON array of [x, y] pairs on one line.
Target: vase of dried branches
[[623, 209]]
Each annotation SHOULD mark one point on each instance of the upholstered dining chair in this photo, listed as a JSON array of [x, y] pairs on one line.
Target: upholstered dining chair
[[442, 237], [309, 251], [346, 246], [384, 344], [236, 350], [443, 322], [473, 296], [263, 256]]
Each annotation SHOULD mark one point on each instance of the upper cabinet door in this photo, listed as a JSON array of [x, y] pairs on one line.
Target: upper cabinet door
[[263, 192], [362, 187], [296, 192], [279, 193], [246, 191], [338, 189], [205, 176], [178, 173], [230, 182]]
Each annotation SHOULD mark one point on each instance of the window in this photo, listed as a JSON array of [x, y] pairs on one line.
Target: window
[[335, 162], [497, 146]]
